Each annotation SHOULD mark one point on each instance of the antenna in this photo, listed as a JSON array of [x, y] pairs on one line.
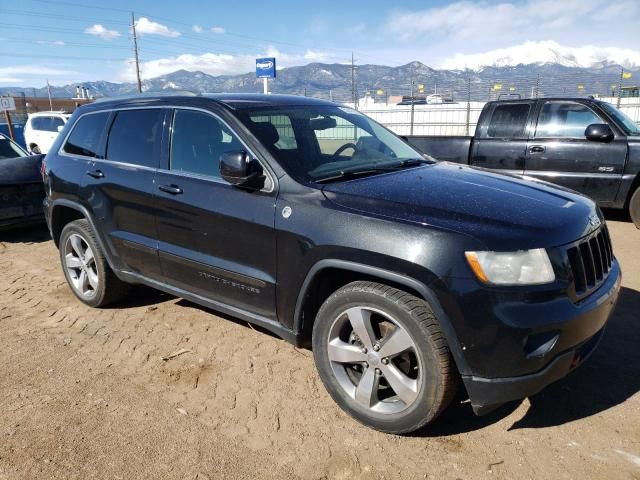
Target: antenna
[[135, 51]]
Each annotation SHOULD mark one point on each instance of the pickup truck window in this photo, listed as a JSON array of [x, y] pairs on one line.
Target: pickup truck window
[[565, 119], [629, 126], [509, 120], [197, 142]]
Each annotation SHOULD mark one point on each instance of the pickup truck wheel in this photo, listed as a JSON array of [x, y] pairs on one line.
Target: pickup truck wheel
[[35, 149], [634, 208], [382, 357], [85, 268]]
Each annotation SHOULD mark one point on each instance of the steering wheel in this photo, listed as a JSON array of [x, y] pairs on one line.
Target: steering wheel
[[345, 147]]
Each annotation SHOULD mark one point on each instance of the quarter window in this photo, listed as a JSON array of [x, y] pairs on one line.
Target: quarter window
[[86, 134], [509, 121], [564, 120], [135, 137], [198, 141]]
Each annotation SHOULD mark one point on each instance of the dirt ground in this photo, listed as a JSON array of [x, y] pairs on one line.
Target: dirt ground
[[85, 394]]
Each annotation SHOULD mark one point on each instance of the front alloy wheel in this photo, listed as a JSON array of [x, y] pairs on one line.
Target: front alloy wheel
[[374, 360], [382, 357]]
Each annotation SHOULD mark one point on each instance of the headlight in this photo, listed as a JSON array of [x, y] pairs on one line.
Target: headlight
[[524, 267]]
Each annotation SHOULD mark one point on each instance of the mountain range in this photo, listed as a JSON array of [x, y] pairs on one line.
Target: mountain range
[[333, 81]]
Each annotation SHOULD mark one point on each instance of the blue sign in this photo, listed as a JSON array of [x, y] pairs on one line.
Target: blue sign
[[266, 67]]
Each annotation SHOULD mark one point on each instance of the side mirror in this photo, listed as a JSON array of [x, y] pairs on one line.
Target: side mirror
[[239, 169], [599, 132]]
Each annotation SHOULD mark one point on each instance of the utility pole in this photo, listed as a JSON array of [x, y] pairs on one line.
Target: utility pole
[[49, 93], [468, 103], [135, 51], [353, 83], [620, 86], [413, 102]]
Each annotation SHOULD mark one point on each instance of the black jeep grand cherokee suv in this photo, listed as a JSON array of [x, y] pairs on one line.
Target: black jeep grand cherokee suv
[[313, 221]]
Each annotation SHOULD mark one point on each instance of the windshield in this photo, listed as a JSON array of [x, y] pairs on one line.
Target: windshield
[[9, 149], [628, 125], [315, 143]]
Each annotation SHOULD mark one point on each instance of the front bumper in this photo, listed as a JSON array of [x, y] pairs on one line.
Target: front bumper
[[567, 341]]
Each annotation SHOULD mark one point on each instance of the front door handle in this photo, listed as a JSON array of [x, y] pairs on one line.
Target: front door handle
[[96, 174], [172, 189], [537, 149]]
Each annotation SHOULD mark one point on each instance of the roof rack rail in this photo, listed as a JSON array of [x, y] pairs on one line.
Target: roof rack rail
[[164, 93]]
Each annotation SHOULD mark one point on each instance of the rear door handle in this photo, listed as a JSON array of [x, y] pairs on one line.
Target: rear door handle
[[96, 174], [537, 149], [172, 189]]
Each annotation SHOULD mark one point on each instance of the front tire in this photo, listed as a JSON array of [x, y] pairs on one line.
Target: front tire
[[383, 358], [634, 207], [85, 268]]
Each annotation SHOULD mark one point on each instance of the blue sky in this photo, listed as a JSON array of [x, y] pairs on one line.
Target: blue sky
[[80, 40]]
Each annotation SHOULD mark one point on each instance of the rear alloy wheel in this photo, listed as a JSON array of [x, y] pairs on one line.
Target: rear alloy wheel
[[81, 266], [382, 357], [85, 268]]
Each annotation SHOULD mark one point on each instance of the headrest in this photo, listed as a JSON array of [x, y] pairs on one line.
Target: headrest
[[266, 133]]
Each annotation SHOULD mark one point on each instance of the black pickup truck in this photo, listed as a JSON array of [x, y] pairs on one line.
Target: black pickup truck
[[580, 143]]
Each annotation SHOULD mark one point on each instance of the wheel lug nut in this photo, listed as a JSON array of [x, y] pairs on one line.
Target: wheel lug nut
[[385, 361], [364, 350], [376, 347], [378, 371]]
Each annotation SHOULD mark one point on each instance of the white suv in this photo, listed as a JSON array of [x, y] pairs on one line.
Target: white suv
[[42, 128]]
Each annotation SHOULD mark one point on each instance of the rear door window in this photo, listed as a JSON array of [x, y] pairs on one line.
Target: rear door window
[[568, 120], [135, 137], [86, 135], [509, 121]]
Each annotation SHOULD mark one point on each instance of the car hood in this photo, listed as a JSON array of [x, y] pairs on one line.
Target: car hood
[[20, 170], [505, 212]]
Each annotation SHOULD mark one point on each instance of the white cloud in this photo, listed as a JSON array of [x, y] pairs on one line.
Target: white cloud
[[144, 26], [467, 19], [219, 64], [102, 32], [545, 52], [18, 73], [198, 29], [218, 30], [57, 43], [33, 70]]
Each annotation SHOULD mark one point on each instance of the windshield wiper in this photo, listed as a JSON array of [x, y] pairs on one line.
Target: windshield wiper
[[412, 162], [349, 174]]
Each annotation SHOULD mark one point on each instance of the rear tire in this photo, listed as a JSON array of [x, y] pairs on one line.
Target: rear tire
[[634, 208], [383, 358], [85, 268]]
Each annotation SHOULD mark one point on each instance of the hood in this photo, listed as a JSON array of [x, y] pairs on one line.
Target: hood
[[20, 170], [504, 212]]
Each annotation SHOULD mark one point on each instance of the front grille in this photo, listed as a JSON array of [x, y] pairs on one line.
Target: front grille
[[590, 260]]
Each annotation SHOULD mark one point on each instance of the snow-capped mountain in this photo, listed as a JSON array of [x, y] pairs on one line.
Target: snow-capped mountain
[[556, 75], [546, 52]]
